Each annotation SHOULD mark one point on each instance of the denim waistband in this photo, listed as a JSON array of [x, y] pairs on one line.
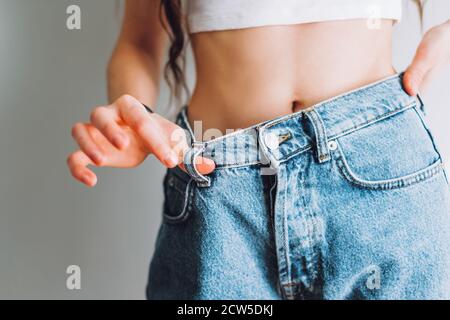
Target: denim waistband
[[279, 139]]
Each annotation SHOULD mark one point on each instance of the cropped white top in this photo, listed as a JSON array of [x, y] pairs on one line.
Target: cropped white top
[[211, 15]]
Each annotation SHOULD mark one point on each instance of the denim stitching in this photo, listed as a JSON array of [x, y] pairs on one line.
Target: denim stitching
[[353, 129], [425, 125], [286, 235], [272, 205], [395, 183], [375, 120], [312, 217], [186, 206], [309, 252], [270, 124], [320, 135]]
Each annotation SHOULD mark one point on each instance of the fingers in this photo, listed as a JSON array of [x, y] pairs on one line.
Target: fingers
[[106, 121], [109, 130], [417, 71], [433, 50], [77, 163], [81, 135], [134, 115], [178, 141], [203, 165]]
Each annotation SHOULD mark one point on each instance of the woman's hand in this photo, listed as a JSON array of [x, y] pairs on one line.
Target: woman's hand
[[432, 54], [121, 135]]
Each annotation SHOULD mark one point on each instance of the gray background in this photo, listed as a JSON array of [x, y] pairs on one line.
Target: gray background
[[51, 77]]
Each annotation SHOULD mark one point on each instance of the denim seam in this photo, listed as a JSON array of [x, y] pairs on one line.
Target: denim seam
[[388, 184], [179, 189], [273, 246], [309, 146], [286, 237], [323, 154], [332, 137], [186, 206], [348, 131], [180, 182], [310, 258], [272, 206], [271, 123], [309, 252], [311, 236], [231, 166], [375, 120], [422, 121]]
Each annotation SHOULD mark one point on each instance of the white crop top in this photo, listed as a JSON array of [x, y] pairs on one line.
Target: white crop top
[[210, 15]]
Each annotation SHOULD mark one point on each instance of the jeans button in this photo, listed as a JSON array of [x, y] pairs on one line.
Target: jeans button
[[271, 140], [332, 145]]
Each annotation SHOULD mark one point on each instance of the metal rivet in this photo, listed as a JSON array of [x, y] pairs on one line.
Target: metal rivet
[[271, 140], [284, 137], [332, 145]]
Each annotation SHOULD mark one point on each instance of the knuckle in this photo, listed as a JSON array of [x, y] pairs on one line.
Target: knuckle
[[109, 129], [91, 150], [126, 100], [157, 147], [160, 150], [178, 136], [100, 161], [97, 113], [87, 147], [141, 125]]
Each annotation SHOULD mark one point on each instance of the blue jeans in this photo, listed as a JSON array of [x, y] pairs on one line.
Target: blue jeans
[[344, 200]]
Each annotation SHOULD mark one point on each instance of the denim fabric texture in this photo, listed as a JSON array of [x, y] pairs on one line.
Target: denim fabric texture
[[347, 199]]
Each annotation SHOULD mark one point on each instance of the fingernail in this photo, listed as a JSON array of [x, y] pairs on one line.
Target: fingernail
[[209, 162], [204, 161], [171, 160]]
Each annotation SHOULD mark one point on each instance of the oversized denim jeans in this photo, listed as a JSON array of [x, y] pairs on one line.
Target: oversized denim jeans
[[344, 200]]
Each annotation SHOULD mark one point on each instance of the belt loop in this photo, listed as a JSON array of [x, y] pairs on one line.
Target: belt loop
[[189, 163], [323, 153]]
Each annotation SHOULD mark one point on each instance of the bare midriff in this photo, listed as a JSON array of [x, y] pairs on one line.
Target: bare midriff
[[247, 76]]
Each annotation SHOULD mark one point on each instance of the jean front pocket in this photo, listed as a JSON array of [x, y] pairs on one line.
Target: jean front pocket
[[178, 196], [394, 152]]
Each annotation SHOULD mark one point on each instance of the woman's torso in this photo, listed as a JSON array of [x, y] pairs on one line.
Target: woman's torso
[[250, 75]]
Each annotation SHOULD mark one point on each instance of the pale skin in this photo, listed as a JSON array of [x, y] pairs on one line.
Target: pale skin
[[243, 77]]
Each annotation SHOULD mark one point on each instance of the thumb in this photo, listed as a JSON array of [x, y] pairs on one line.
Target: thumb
[[203, 165], [180, 146], [415, 74]]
